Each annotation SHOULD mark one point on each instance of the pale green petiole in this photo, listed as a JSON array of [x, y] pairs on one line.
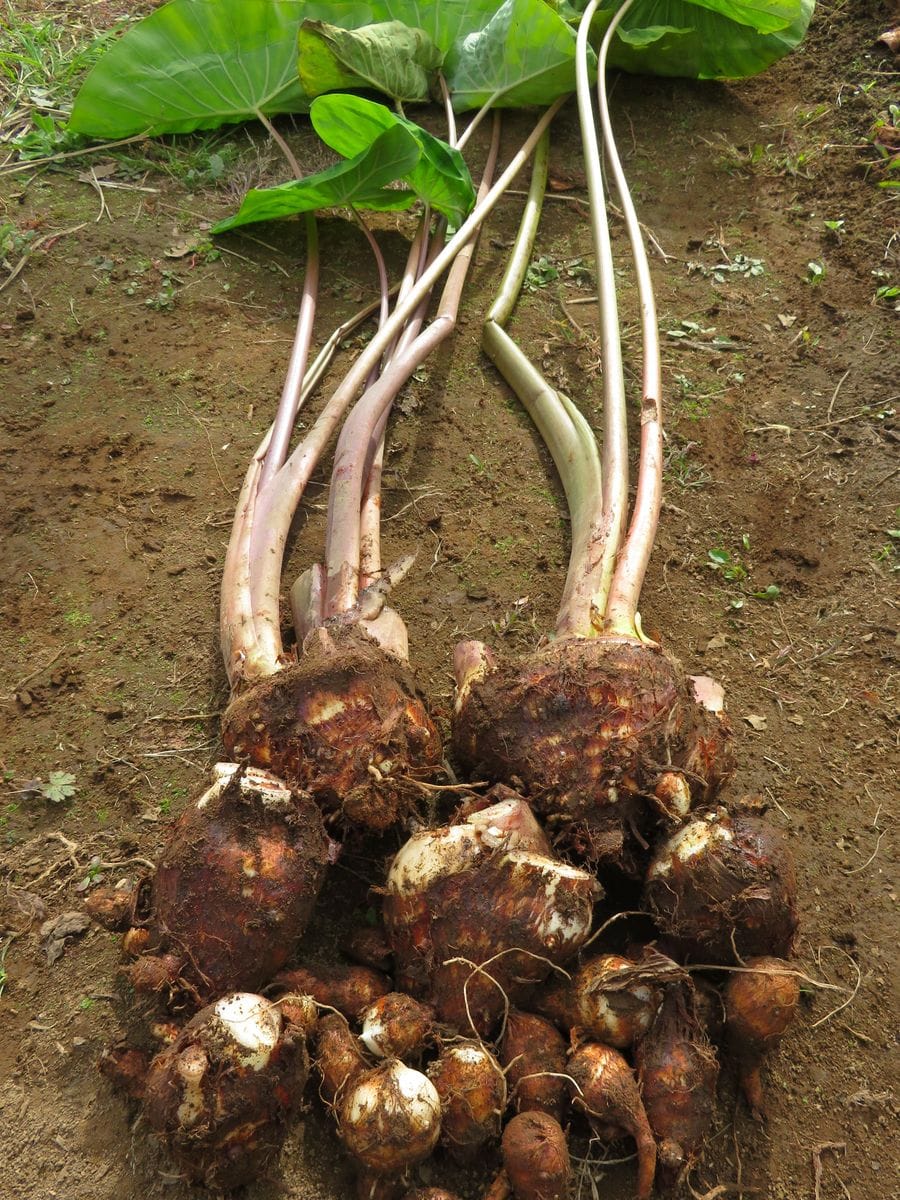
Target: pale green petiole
[[565, 431]]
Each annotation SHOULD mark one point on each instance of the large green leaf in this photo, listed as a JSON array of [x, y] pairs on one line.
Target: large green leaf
[[389, 57], [195, 64], [444, 21], [441, 178], [520, 50], [687, 38], [524, 54], [361, 181], [765, 16]]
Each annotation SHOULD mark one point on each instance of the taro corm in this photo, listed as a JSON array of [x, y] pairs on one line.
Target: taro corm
[[479, 912], [232, 892], [603, 1087], [760, 1003], [677, 1073], [222, 1095]]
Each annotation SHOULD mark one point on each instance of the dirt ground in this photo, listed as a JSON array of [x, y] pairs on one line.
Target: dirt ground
[[136, 381]]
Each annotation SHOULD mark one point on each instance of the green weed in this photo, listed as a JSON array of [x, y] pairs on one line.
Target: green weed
[[728, 565], [815, 273], [540, 273], [42, 63], [680, 466], [60, 786], [13, 243], [734, 566], [694, 402]]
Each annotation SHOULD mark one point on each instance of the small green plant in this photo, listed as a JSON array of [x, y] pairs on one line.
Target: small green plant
[[172, 793], [815, 272], [207, 252], [772, 592], [13, 243], [835, 228], [480, 466], [694, 402], [516, 618], [883, 138], [889, 553], [728, 565], [741, 265], [734, 566], [164, 299], [680, 465], [540, 273], [60, 786], [86, 1003], [577, 270], [204, 166], [46, 137], [888, 293], [76, 618]]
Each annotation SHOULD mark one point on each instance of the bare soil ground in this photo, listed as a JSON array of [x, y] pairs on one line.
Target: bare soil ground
[[136, 382]]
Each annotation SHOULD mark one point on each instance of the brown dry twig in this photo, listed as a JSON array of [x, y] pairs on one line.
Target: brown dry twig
[[17, 687], [725, 1189], [35, 245], [70, 859], [824, 1148]]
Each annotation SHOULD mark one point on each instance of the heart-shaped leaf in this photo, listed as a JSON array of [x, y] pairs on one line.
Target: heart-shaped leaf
[[440, 178], [524, 54], [707, 39], [765, 16], [389, 57], [361, 181], [194, 64]]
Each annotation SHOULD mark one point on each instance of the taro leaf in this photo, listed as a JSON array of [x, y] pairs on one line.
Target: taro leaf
[[688, 38], [361, 181], [765, 16], [444, 23], [440, 177], [389, 57], [525, 54], [522, 48], [195, 64]]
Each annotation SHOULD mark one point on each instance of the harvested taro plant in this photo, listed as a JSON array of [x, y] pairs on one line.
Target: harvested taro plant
[[329, 737]]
